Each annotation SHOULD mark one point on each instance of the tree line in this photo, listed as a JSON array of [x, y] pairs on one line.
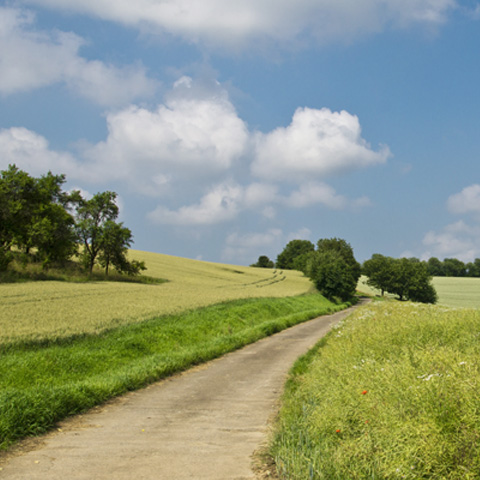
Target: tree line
[[332, 267], [42, 223]]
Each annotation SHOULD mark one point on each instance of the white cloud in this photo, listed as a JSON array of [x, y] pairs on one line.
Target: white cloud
[[318, 143], [221, 24], [312, 193], [246, 248], [457, 240], [31, 59], [467, 201], [30, 152], [220, 204], [194, 135]]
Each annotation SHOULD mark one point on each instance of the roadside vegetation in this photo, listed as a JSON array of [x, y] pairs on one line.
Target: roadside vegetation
[[45, 380], [390, 393]]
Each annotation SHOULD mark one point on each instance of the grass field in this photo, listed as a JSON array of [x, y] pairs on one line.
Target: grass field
[[452, 291], [65, 346], [36, 310], [458, 292], [392, 393]]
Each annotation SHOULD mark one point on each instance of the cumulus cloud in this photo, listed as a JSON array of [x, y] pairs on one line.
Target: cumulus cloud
[[312, 193], [221, 24], [31, 59], [191, 135], [222, 203], [31, 152], [467, 201], [457, 240], [318, 144]]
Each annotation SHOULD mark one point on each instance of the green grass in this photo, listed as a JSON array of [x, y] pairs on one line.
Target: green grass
[[458, 292], [392, 393], [43, 381]]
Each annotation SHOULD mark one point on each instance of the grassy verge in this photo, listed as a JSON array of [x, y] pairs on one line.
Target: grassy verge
[[44, 381], [390, 394]]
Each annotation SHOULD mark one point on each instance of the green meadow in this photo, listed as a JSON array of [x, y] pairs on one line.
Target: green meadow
[[392, 393], [65, 347]]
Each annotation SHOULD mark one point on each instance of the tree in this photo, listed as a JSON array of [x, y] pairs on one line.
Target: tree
[[263, 262], [92, 216], [333, 269], [379, 272], [34, 216], [407, 278], [473, 268], [454, 267], [115, 240], [332, 275], [293, 250], [435, 267], [345, 251]]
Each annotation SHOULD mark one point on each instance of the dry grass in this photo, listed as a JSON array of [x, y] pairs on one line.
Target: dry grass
[[55, 309]]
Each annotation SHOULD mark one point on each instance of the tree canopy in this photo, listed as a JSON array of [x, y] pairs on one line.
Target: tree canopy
[[44, 223], [294, 255], [408, 278]]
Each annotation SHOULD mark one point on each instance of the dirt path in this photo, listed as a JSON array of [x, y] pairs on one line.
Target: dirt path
[[203, 424]]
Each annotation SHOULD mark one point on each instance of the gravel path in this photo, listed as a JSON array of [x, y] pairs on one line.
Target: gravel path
[[203, 424]]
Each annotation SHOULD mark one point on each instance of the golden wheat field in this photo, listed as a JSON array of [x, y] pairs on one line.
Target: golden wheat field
[[37, 310]]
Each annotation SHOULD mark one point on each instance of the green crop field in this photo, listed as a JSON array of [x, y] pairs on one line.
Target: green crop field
[[452, 291], [36, 310], [458, 292], [392, 393]]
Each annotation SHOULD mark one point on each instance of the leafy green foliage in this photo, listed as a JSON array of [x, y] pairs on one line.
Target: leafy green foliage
[[407, 278], [263, 262], [288, 258], [333, 269], [36, 219]]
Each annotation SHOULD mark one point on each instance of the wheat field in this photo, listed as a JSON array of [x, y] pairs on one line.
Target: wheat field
[[37, 310]]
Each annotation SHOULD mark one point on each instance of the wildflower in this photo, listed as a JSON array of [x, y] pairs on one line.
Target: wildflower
[[337, 430], [364, 392]]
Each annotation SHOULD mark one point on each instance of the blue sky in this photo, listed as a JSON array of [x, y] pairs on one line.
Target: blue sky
[[229, 128]]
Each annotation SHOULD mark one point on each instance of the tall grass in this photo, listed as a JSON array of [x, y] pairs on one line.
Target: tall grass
[[43, 381], [392, 393]]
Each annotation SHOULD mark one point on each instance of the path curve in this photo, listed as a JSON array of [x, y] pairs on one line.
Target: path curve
[[203, 424]]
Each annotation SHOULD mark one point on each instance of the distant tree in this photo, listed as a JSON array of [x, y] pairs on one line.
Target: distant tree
[[345, 250], [293, 250], [473, 268], [379, 272], [407, 278], [333, 269], [435, 267], [92, 216], [34, 216], [264, 262], [454, 268]]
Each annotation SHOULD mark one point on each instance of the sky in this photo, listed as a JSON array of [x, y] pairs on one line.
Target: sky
[[228, 129]]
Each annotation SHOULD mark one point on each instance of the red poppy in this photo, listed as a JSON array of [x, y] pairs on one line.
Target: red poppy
[[337, 430], [364, 392]]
